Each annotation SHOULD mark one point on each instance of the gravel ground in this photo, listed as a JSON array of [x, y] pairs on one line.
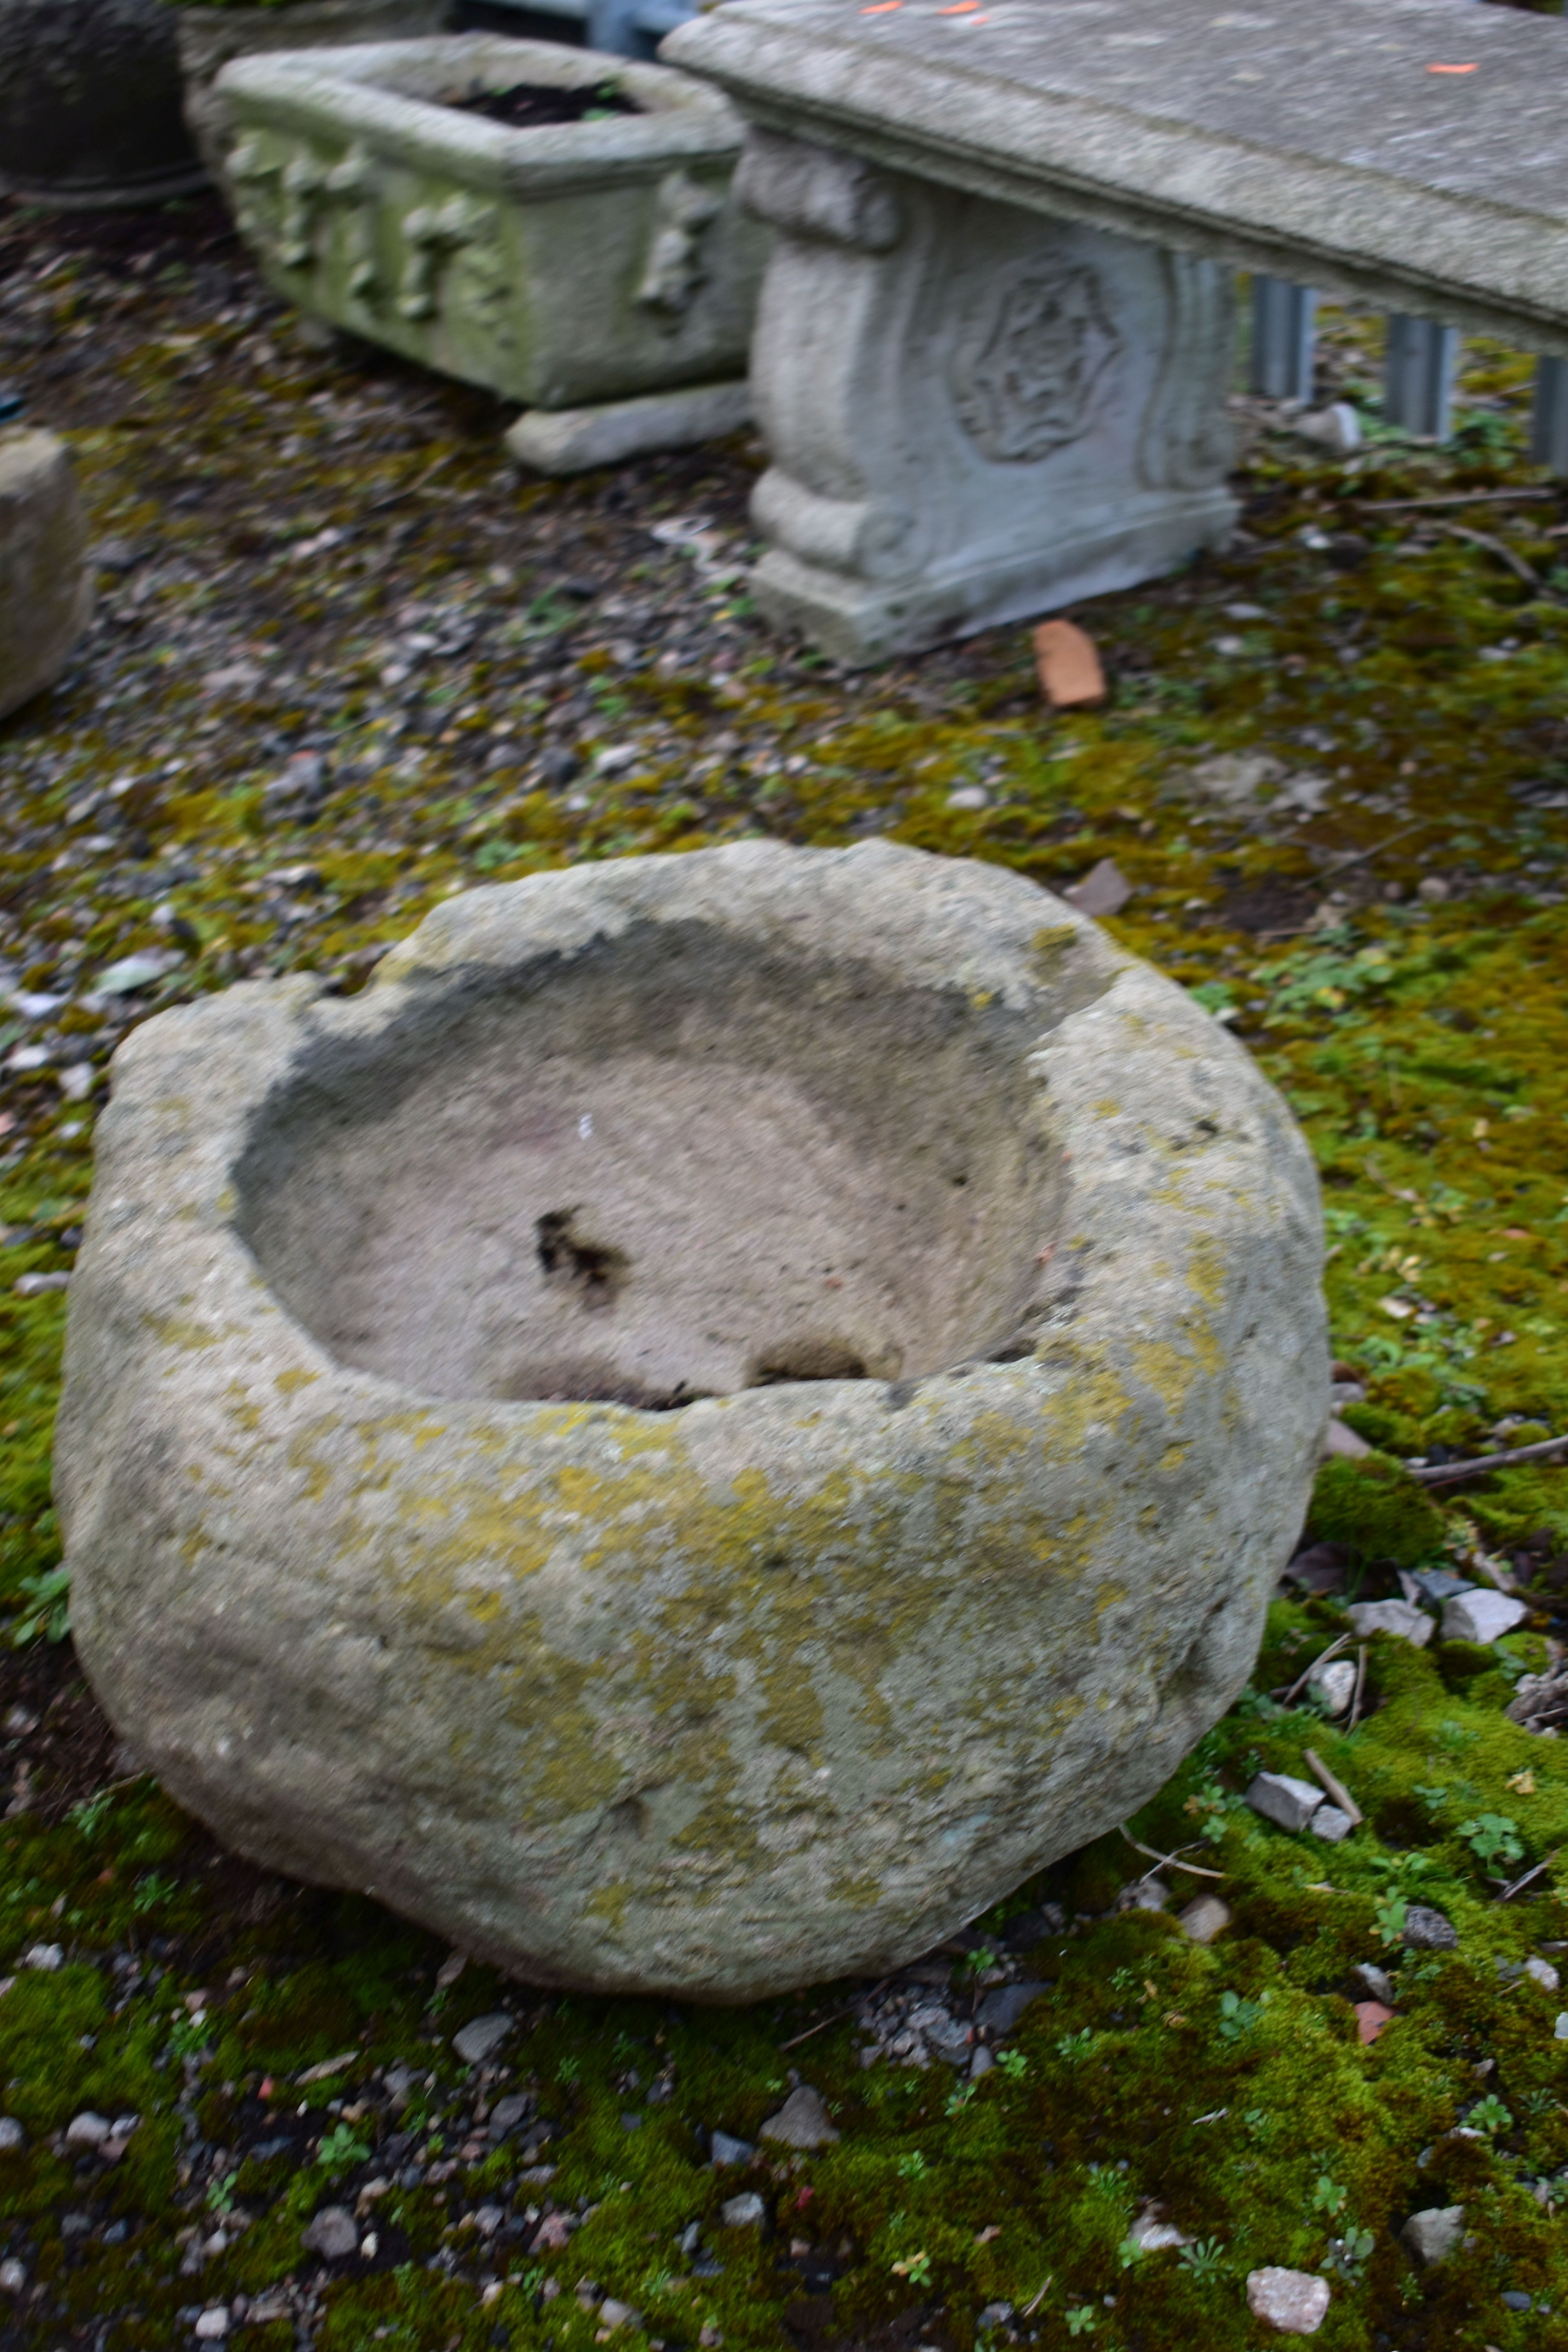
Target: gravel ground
[[347, 659]]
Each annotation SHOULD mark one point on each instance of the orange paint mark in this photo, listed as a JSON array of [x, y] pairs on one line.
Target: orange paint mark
[[959, 8], [1470, 69], [881, 8]]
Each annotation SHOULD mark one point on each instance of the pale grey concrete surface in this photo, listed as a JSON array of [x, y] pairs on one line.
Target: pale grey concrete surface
[[45, 585], [998, 1259]]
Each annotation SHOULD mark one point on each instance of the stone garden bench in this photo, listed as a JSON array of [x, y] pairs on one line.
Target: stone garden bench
[[995, 336]]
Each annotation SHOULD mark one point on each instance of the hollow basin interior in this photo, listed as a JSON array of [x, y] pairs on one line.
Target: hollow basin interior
[[666, 1167]]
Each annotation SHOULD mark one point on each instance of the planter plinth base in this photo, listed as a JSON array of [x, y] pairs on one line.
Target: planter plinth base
[[574, 440]]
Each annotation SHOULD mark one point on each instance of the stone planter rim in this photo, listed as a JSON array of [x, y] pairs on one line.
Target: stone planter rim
[[271, 1013], [337, 94]]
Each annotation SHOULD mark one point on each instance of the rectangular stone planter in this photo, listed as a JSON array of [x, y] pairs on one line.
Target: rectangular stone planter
[[571, 267]]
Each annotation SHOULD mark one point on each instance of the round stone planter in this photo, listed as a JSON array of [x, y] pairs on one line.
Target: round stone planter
[[722, 1413], [90, 103]]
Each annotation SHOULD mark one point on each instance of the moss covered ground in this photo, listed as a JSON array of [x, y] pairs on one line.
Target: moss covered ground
[[347, 660]]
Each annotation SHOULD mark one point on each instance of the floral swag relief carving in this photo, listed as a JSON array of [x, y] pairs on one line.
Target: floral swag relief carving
[[675, 270], [1030, 362]]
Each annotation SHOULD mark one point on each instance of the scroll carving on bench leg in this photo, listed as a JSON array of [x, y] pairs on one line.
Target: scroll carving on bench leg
[[973, 410]]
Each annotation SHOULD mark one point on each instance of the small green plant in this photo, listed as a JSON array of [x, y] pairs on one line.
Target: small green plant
[[341, 2149], [913, 2167], [1015, 2065], [497, 850], [569, 2071], [1214, 996], [1492, 1837], [1237, 2017], [980, 1960], [220, 2196], [1388, 1916], [88, 1816], [148, 1892], [1203, 2260], [958, 2100], [46, 1609], [1074, 2048], [1328, 2196], [1209, 1807], [916, 2268], [187, 2035], [1080, 2319], [1490, 2115], [1347, 2254]]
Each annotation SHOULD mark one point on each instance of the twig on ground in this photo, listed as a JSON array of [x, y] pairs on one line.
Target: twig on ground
[[1518, 1882], [1286, 1691], [1333, 1787], [392, 498], [1357, 856], [1443, 1474], [1516, 564], [1455, 498], [1171, 1861], [838, 2017], [1360, 1687], [1030, 2308]]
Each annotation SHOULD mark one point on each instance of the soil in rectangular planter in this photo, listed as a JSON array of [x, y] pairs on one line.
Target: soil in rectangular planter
[[532, 106]]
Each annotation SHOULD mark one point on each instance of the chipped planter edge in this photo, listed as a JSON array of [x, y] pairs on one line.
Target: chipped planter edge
[[209, 38], [248, 1630], [569, 266]]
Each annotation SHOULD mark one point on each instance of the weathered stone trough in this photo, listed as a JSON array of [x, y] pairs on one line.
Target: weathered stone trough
[[723, 1411], [594, 267]]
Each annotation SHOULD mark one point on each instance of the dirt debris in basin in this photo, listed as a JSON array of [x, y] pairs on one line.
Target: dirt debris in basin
[[346, 660]]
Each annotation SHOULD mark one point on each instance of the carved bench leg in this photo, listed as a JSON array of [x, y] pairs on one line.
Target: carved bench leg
[[973, 412]]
